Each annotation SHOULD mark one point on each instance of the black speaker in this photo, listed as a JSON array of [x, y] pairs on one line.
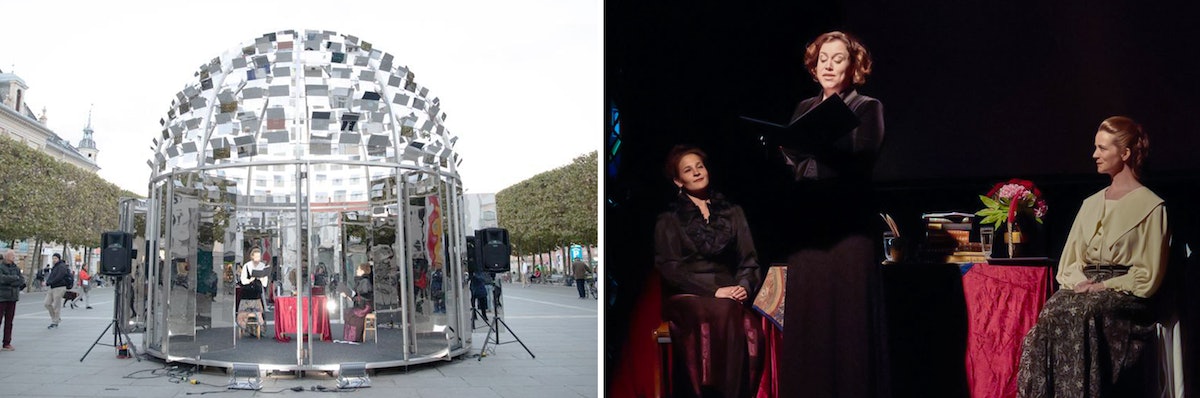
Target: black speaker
[[116, 253], [473, 256], [494, 249]]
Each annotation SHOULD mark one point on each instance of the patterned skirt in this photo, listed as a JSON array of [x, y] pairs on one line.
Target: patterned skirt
[[1084, 345]]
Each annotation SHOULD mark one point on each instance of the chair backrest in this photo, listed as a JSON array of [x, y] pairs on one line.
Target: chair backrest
[[1167, 300]]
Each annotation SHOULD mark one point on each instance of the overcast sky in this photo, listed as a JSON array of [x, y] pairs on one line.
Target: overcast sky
[[520, 81]]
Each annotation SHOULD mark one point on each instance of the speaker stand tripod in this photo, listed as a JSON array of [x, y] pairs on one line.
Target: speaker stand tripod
[[497, 321], [120, 336]]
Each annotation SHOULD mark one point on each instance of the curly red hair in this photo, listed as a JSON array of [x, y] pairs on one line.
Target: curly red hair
[[860, 58]]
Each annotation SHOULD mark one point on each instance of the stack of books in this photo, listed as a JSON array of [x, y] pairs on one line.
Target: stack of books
[[948, 237]]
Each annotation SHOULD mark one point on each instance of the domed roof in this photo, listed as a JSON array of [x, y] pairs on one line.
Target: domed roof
[[312, 96]]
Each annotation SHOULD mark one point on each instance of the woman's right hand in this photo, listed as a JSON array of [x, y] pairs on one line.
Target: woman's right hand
[[732, 292]]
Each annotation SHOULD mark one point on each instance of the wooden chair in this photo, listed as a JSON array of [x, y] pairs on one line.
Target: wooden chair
[[369, 326], [253, 323], [662, 373]]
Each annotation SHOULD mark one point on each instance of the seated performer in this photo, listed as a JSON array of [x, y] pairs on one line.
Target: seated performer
[[1094, 328], [710, 274], [253, 278], [362, 295]]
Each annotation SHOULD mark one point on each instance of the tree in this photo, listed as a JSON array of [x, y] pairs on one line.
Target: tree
[[51, 201], [553, 208]]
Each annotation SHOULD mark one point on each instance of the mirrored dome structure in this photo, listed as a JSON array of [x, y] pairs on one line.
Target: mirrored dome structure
[[326, 157]]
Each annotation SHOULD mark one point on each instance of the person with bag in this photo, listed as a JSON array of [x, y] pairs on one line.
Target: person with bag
[[11, 284], [58, 281]]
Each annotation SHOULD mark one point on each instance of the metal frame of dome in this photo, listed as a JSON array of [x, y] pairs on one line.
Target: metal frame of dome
[[291, 106]]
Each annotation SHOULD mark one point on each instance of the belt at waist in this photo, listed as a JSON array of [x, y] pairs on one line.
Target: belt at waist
[[1104, 271]]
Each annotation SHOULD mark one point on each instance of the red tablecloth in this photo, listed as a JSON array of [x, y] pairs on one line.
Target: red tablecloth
[[768, 386], [285, 317], [1003, 303]]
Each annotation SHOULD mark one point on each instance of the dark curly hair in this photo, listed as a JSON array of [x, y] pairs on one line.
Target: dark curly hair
[[671, 167]]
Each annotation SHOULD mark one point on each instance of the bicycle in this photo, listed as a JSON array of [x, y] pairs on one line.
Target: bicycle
[[591, 287]]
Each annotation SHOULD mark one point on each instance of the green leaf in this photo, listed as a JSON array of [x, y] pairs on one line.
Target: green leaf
[[989, 202], [993, 219]]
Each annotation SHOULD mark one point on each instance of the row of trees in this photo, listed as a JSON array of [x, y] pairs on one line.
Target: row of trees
[[51, 201], [553, 209]]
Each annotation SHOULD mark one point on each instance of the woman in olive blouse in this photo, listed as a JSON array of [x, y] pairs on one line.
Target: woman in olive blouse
[[1094, 328]]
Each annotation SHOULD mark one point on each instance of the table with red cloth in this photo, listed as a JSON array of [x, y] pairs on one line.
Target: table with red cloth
[[1003, 302], [316, 318]]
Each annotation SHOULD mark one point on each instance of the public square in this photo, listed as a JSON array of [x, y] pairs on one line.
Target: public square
[[559, 328]]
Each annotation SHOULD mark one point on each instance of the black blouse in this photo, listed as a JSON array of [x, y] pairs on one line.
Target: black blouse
[[697, 256], [851, 156]]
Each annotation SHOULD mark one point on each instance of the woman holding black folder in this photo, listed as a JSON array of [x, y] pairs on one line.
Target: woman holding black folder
[[834, 342], [710, 273]]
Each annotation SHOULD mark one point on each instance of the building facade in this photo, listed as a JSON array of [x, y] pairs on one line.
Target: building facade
[[17, 121]]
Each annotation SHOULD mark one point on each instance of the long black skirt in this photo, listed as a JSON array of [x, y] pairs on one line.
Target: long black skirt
[[1084, 345], [717, 346], [835, 340]]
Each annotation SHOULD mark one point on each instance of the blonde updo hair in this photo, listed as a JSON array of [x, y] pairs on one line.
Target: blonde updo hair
[[860, 58], [1129, 134]]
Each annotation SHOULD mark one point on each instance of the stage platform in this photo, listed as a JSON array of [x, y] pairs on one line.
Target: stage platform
[[219, 346]]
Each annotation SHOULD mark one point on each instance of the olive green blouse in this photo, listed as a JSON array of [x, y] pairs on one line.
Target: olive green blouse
[[1131, 231]]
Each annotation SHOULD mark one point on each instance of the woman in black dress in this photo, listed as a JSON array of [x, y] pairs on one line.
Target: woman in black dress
[[710, 274], [363, 297], [834, 341]]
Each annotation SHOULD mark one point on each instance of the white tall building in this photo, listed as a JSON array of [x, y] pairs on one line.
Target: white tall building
[[479, 209]]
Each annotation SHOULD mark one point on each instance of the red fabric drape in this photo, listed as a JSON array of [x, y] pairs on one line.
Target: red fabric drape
[[285, 317], [768, 387], [1003, 303], [634, 375]]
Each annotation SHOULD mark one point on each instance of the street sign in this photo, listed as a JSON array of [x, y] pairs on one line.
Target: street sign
[[576, 251]]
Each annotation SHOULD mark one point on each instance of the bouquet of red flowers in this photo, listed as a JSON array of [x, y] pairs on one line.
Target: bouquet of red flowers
[[1006, 199]]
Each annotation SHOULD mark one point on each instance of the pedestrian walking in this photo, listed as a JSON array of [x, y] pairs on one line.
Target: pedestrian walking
[[479, 282], [58, 281], [11, 283], [85, 281], [581, 273], [39, 281], [45, 274]]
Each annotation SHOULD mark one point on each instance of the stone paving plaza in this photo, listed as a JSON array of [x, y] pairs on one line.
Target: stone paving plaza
[[560, 329]]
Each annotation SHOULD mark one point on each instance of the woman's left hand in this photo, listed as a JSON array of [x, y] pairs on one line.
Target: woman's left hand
[[732, 292], [1089, 287]]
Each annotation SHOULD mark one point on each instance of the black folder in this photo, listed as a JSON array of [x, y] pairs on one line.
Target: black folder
[[814, 132], [809, 140]]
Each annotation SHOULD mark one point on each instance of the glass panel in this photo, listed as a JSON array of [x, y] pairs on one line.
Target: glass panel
[[156, 328], [179, 272], [428, 266]]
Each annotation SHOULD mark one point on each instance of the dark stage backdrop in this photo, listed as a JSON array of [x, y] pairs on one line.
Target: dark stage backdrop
[[974, 92]]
